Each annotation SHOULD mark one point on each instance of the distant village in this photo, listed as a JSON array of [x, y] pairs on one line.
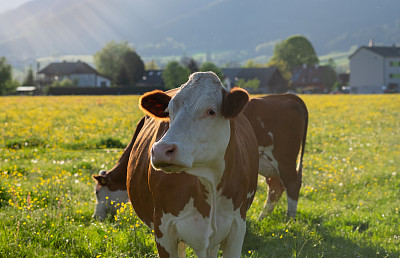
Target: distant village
[[373, 70]]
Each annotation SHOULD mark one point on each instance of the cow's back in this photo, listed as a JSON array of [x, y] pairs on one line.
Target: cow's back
[[280, 119]]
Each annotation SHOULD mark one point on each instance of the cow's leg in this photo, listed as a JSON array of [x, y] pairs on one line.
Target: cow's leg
[[275, 190], [208, 253], [170, 251], [292, 182], [181, 250], [232, 245]]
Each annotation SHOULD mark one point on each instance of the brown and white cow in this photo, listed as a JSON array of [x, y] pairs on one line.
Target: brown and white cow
[[193, 178], [280, 123], [111, 185]]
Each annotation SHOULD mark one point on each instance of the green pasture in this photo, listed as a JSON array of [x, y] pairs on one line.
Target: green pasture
[[50, 146]]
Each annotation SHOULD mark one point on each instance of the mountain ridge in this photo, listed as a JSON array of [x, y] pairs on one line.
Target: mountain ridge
[[157, 28]]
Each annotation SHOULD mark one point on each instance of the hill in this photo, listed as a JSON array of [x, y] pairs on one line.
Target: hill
[[238, 29]]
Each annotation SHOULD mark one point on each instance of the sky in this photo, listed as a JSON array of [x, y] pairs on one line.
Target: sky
[[6, 5]]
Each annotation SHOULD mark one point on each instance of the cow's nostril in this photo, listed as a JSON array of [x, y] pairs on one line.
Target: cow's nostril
[[171, 150]]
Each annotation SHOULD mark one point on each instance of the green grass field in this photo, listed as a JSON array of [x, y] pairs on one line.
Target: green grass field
[[50, 146]]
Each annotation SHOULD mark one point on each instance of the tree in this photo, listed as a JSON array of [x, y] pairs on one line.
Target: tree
[[253, 84], [7, 83], [209, 66], [252, 64], [122, 77], [132, 67], [109, 59], [190, 63], [29, 80], [175, 75], [292, 52], [330, 76], [282, 67], [332, 63], [66, 82], [152, 65]]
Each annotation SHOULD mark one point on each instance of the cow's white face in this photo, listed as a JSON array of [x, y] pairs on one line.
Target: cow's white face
[[199, 129], [107, 201], [198, 134]]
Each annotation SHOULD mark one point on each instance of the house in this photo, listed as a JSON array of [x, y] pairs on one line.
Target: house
[[82, 74], [152, 78], [313, 78], [271, 80], [375, 70]]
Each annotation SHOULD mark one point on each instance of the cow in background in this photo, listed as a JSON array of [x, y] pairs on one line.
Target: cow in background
[[111, 186]]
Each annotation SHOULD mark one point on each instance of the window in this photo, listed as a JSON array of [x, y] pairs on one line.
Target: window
[[395, 75], [395, 63]]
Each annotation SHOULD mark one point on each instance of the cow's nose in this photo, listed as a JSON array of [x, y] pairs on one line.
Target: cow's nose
[[164, 152]]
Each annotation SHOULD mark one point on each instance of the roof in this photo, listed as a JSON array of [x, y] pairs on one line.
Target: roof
[[68, 68], [262, 74], [151, 77], [309, 74], [392, 51]]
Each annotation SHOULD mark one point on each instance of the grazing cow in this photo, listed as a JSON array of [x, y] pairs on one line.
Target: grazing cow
[[111, 186], [280, 124], [203, 172]]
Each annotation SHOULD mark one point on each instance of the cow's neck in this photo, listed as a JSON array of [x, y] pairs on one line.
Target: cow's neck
[[211, 177]]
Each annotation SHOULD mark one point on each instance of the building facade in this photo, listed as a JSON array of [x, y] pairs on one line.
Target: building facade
[[375, 70]]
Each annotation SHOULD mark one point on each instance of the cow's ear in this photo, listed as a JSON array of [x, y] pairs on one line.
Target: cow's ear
[[155, 103], [101, 179], [234, 102]]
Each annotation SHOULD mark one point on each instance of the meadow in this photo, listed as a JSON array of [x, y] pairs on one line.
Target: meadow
[[50, 146]]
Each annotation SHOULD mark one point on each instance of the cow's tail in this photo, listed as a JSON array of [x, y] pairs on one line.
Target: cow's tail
[[303, 142]]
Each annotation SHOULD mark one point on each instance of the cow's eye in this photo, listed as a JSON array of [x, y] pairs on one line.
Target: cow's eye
[[211, 112]]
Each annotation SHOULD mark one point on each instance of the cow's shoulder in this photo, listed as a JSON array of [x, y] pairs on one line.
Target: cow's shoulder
[[239, 181]]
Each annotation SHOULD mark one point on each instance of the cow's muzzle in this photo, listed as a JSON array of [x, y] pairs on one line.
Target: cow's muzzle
[[168, 157]]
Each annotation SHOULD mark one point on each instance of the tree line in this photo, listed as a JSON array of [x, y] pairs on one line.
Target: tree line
[[123, 65]]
